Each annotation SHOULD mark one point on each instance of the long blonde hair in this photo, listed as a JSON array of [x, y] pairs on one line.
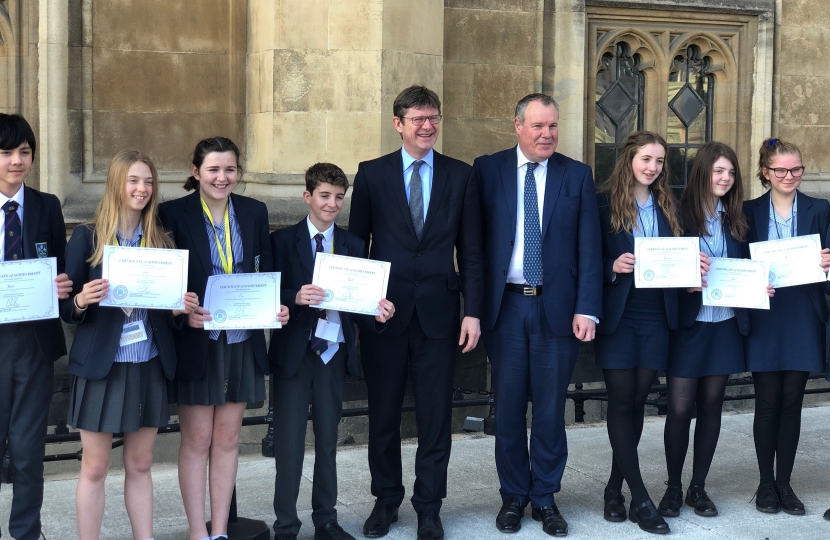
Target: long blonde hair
[[110, 214], [620, 186]]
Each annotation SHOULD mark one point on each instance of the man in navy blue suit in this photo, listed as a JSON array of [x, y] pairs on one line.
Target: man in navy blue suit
[[542, 296]]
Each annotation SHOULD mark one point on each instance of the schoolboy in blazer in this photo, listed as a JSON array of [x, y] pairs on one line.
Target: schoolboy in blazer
[[184, 217], [307, 369], [29, 348]]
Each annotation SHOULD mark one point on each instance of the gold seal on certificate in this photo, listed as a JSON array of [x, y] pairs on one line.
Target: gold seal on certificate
[[149, 278], [27, 290], [351, 284], [740, 283], [792, 261], [243, 301], [666, 262]]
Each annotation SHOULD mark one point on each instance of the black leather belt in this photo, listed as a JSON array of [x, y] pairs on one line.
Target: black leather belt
[[525, 290]]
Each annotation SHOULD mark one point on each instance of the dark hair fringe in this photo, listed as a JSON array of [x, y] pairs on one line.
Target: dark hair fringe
[[415, 96], [325, 173], [14, 131]]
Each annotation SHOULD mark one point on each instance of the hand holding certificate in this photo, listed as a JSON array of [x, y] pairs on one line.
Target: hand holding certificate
[[243, 301], [351, 284], [666, 262], [740, 283], [27, 290], [792, 261], [148, 278]]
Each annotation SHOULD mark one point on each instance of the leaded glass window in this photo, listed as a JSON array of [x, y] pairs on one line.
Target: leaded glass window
[[690, 100], [619, 107]]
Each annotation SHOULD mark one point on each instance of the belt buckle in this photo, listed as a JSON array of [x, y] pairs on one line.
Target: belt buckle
[[529, 291]]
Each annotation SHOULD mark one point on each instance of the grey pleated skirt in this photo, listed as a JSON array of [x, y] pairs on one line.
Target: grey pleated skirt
[[130, 397], [232, 375]]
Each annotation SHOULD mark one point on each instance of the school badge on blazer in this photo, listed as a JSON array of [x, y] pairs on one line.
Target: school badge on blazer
[[42, 252]]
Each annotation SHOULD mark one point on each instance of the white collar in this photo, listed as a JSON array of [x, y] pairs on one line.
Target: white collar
[[312, 230], [524, 161]]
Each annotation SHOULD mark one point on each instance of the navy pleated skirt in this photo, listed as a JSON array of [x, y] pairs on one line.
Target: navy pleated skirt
[[706, 349], [788, 336], [232, 376], [130, 397], [635, 343]]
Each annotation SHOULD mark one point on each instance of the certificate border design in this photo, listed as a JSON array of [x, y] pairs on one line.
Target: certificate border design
[[112, 301], [52, 311], [385, 266], [214, 280]]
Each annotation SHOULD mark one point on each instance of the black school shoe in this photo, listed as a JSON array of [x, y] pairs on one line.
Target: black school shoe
[[552, 521], [648, 518], [509, 519], [790, 503], [697, 498], [766, 499], [614, 508], [671, 502]]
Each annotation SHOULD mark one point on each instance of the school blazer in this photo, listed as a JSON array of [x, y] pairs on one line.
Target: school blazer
[[293, 258], [615, 292], [813, 217], [98, 331], [184, 218], [689, 303], [43, 225]]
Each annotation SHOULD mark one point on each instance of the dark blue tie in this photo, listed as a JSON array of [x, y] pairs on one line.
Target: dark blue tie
[[533, 232], [319, 345], [13, 249]]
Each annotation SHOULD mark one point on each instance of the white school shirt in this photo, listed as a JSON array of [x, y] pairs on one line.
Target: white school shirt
[[18, 198], [331, 315]]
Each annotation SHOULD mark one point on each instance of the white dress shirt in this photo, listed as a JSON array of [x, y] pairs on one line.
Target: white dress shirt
[[331, 315], [18, 198]]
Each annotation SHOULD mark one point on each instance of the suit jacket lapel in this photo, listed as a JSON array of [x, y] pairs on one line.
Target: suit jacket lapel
[[804, 216], [246, 230], [663, 227], [553, 184], [339, 241], [31, 217], [304, 250], [198, 233], [439, 183], [396, 184], [509, 179], [761, 217], [733, 248]]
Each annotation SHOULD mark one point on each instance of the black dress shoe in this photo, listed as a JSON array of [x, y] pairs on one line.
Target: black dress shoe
[[510, 516], [648, 518], [614, 509], [827, 514], [429, 525], [697, 498], [766, 499], [671, 502], [377, 525], [790, 503], [552, 521], [331, 531]]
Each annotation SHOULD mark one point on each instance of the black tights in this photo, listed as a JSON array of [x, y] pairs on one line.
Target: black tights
[[777, 426], [628, 390], [685, 395]]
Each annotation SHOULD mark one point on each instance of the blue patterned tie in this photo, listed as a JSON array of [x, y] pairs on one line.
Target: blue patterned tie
[[13, 246], [533, 232], [319, 345]]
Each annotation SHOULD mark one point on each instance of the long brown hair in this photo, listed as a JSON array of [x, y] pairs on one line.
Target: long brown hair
[[697, 202], [110, 214], [620, 186], [769, 149]]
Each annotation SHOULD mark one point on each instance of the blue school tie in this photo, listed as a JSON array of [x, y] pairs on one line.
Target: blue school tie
[[319, 345], [416, 200], [532, 263], [13, 249]]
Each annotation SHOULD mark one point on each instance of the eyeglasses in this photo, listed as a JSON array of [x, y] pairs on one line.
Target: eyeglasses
[[781, 172], [419, 121]]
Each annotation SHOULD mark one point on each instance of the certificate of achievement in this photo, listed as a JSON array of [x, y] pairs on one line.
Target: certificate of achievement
[[792, 261], [27, 290], [666, 262], [352, 284], [740, 283], [243, 301], [147, 278]]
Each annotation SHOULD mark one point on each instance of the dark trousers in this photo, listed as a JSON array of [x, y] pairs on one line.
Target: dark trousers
[[25, 396], [429, 364], [321, 386], [529, 360]]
